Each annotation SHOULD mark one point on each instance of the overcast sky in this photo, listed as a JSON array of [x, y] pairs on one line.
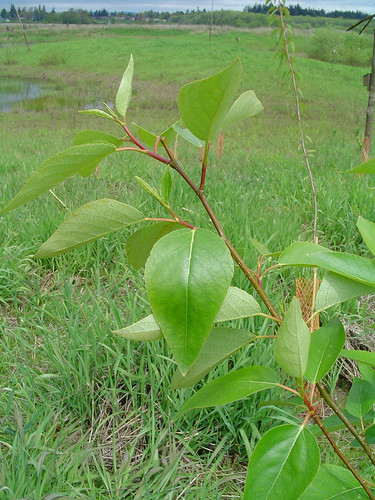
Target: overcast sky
[[173, 5]]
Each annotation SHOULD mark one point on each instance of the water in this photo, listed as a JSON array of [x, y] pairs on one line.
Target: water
[[13, 91]]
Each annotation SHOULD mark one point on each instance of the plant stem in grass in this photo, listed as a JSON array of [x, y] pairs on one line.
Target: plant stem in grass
[[327, 398], [361, 481], [247, 271]]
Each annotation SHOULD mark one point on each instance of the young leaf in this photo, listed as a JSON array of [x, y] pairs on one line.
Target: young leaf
[[335, 289], [293, 342], [333, 482], [263, 250], [204, 104], [325, 347], [220, 344], [139, 245], [58, 168], [186, 288], [97, 112], [166, 184], [150, 190], [245, 106], [283, 464], [89, 136], [125, 90], [88, 223], [360, 356], [232, 387], [361, 397], [150, 139], [367, 230], [144, 330], [368, 167], [351, 266], [188, 136]]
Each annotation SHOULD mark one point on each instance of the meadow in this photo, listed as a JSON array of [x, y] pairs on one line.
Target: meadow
[[87, 415]]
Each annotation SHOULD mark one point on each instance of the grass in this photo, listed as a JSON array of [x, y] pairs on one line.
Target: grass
[[86, 415]]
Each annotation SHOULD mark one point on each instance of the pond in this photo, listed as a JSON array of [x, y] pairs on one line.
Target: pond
[[14, 90]]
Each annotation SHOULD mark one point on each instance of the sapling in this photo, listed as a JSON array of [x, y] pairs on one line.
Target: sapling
[[188, 274]]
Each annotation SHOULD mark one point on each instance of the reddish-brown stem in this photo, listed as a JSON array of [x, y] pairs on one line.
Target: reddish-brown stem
[[361, 481], [259, 277], [247, 271], [289, 389], [269, 269], [141, 147]]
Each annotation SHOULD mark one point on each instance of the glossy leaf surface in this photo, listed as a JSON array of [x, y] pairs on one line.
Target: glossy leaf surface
[[293, 342], [361, 397], [335, 289], [58, 168], [144, 330], [283, 464], [232, 387], [186, 288], [220, 344], [139, 245], [88, 223], [245, 106], [204, 104], [125, 89], [334, 483], [325, 347]]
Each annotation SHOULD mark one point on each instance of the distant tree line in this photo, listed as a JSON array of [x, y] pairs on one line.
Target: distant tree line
[[252, 16], [297, 10]]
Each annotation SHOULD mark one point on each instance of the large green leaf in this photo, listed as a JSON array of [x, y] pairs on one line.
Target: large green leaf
[[361, 397], [283, 464], [220, 344], [351, 266], [88, 223], [325, 347], [360, 356], [139, 245], [335, 289], [58, 168], [144, 330], [204, 104], [334, 483], [187, 278], [89, 136], [232, 387], [237, 304], [334, 423], [368, 167], [293, 341], [367, 230], [245, 106], [125, 89]]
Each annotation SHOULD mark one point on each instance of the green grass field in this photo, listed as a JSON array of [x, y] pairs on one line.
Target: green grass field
[[83, 413]]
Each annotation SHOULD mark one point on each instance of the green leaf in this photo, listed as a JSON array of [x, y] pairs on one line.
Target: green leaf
[[188, 136], [367, 230], [367, 372], [345, 264], [88, 223], [245, 106], [58, 168], [150, 190], [144, 330], [139, 245], [204, 104], [89, 136], [283, 464], [220, 344], [263, 250], [237, 304], [97, 112], [125, 90], [186, 287], [333, 482], [334, 423], [360, 356], [232, 387], [150, 139], [325, 347], [166, 184], [293, 342], [335, 289], [368, 167], [361, 397]]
